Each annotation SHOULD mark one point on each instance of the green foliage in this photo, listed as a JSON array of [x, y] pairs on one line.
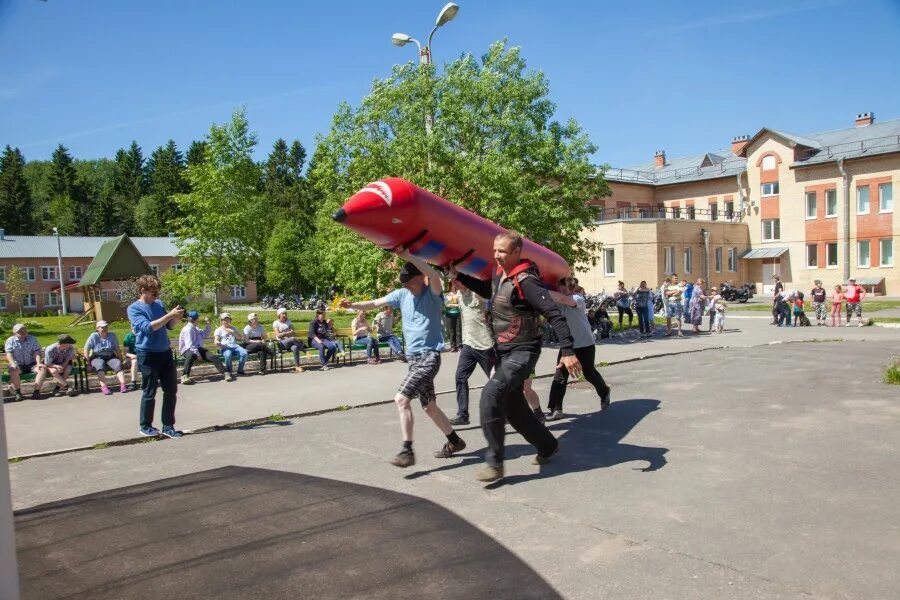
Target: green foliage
[[892, 373], [157, 213], [221, 235], [196, 153], [16, 287], [177, 288], [15, 195], [97, 179], [494, 150], [285, 257], [276, 417], [68, 207], [129, 186]]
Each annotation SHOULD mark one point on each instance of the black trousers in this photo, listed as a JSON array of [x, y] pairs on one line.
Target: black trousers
[[502, 400], [625, 310], [190, 358], [558, 388], [453, 326], [264, 353], [469, 358], [157, 368]]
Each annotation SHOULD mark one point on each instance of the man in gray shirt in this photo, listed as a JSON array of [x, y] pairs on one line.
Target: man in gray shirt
[[23, 355], [477, 348], [384, 323]]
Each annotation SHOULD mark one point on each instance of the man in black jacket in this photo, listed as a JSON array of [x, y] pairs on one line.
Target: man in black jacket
[[517, 298]]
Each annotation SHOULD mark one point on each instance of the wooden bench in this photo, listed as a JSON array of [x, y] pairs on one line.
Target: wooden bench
[[351, 344]]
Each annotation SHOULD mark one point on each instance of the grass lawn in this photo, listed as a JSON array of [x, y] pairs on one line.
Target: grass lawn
[[868, 306]]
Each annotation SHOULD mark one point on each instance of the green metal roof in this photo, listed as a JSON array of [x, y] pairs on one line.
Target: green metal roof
[[117, 258]]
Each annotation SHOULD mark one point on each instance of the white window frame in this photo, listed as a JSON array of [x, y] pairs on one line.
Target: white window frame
[[688, 259], [815, 201], [859, 196], [769, 189], [773, 224], [833, 193], [828, 256], [814, 263], [881, 202], [691, 213], [881, 247], [718, 255], [714, 211], [669, 259], [178, 267], [860, 244], [29, 300], [104, 295], [729, 210], [238, 292], [769, 162], [2, 274], [732, 260], [51, 299], [154, 269], [76, 273], [609, 253], [676, 212], [2, 301], [30, 273], [49, 273]]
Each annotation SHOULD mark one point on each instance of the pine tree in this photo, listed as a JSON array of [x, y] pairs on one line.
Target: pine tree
[[196, 153], [157, 212], [129, 186], [15, 195], [68, 208]]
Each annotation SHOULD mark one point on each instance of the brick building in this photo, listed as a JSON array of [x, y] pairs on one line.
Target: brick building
[[37, 256], [816, 206]]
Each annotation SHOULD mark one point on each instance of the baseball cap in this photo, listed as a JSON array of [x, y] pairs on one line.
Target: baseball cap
[[408, 271], [251, 316], [65, 338], [18, 327], [281, 311], [853, 279], [193, 315], [225, 315], [102, 323]]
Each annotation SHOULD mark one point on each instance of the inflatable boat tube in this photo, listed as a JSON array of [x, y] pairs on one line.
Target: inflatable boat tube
[[393, 214]]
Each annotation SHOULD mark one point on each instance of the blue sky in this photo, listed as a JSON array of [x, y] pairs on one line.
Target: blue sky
[[684, 77]]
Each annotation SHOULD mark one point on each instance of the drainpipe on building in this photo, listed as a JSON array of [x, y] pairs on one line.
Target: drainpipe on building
[[744, 203], [845, 227], [705, 235]]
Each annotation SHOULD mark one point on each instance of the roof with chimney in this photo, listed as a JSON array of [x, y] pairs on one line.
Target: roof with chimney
[[44, 246], [815, 148]]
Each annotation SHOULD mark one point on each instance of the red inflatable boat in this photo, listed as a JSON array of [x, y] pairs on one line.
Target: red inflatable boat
[[394, 213]]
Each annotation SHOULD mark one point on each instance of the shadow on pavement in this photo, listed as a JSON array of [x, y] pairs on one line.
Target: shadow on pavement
[[238, 532]]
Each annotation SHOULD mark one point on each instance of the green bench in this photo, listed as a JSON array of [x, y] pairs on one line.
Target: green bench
[[77, 373]]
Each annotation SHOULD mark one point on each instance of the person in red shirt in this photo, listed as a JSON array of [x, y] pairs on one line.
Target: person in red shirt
[[854, 296]]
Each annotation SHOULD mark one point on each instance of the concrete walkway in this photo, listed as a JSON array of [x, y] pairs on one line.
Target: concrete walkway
[[55, 424]]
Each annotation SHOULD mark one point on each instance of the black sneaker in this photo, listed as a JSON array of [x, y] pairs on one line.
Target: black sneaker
[[35, 395], [450, 449], [57, 392], [543, 460], [459, 421], [406, 458], [539, 415], [605, 400]]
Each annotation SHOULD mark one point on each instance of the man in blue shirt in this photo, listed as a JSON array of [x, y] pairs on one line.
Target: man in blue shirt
[[151, 324], [421, 305]]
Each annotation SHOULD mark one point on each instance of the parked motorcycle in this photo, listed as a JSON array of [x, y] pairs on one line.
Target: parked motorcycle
[[730, 293]]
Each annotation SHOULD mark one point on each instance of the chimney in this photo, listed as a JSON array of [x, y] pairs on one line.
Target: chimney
[[660, 157], [739, 143], [863, 119]]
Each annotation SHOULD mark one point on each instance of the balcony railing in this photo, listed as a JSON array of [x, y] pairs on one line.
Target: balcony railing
[[726, 167], [875, 145], [629, 213]]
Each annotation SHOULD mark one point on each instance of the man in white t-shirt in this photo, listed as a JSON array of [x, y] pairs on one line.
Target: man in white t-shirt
[[283, 329], [572, 306]]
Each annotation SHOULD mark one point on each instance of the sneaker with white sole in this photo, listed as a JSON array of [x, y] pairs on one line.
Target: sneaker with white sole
[[543, 460], [171, 432], [149, 431], [556, 415], [186, 380]]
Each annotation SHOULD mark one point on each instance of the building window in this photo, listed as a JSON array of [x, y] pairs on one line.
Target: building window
[[2, 273], [718, 260], [863, 257], [771, 229], [830, 203], [154, 269], [810, 205], [104, 295], [812, 256], [2, 301], [885, 197], [669, 259], [30, 273], [770, 189], [51, 299], [29, 300], [76, 273], [768, 163], [238, 292], [49, 274], [609, 261], [729, 211], [732, 259], [687, 260], [831, 254], [691, 213], [862, 200], [713, 212], [886, 248], [178, 268], [676, 212]]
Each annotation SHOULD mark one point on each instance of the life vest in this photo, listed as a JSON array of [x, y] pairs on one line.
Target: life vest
[[513, 320]]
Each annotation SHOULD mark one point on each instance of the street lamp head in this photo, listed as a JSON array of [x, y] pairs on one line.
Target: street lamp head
[[400, 39], [55, 231], [447, 14]]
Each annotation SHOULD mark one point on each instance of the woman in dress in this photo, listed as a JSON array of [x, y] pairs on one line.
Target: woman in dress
[[697, 305]]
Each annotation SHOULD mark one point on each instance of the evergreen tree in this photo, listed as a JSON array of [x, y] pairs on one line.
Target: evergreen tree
[[196, 153], [37, 175], [157, 213], [68, 207], [15, 195], [96, 179], [129, 187]]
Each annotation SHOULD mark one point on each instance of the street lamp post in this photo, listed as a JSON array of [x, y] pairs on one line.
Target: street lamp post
[[62, 283], [447, 14]]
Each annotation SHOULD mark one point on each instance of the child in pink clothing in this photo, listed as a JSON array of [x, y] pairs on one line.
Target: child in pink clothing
[[837, 301]]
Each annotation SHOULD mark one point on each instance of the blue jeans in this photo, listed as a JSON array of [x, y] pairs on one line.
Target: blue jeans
[[371, 346], [228, 356], [392, 341], [327, 348]]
